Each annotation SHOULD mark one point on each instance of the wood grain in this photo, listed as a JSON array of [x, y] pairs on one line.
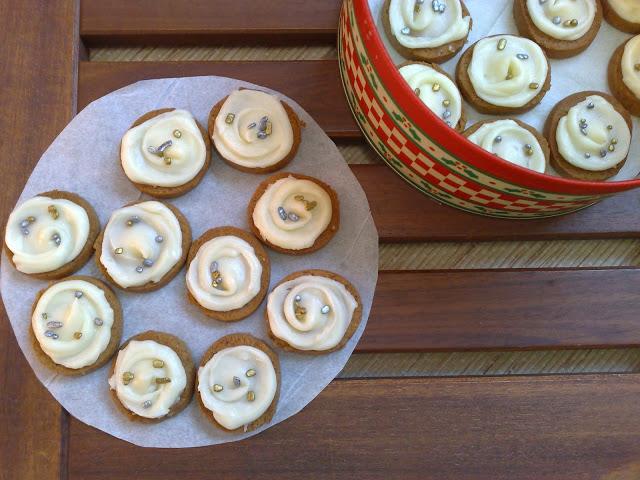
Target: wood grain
[[518, 428], [39, 52], [202, 22]]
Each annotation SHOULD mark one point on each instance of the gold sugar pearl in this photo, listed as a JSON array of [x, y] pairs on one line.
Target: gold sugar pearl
[[53, 211], [167, 161], [127, 377], [637, 67], [571, 23], [177, 133], [446, 103], [251, 396], [162, 380], [311, 205], [119, 250], [614, 141], [534, 85], [218, 388], [250, 373], [436, 87], [158, 363], [31, 219], [612, 148], [417, 91], [229, 118], [502, 44], [77, 335]]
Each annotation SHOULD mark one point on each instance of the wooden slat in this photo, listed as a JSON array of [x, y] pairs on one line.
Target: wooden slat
[[401, 212], [202, 22], [39, 51], [503, 309], [518, 428]]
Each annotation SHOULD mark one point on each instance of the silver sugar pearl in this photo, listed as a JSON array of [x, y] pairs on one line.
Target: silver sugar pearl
[[405, 31], [262, 135], [147, 404], [591, 106], [325, 309], [54, 324], [557, 20], [159, 239], [78, 294], [213, 267], [25, 231], [24, 223], [236, 381], [282, 213], [297, 298], [252, 125], [147, 262], [139, 269], [293, 217], [98, 321], [51, 334], [498, 139]]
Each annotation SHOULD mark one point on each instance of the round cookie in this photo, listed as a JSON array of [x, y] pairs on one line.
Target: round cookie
[[299, 291], [251, 133], [168, 229], [564, 37], [97, 302], [150, 188], [512, 140], [626, 57], [206, 259], [622, 14], [300, 202], [527, 84], [598, 104], [155, 344], [245, 361], [437, 52], [55, 208], [437, 90]]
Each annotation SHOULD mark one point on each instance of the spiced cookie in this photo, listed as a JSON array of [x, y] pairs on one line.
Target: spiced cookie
[[228, 273], [313, 311], [513, 141], [254, 131], [562, 28], [433, 32], [624, 74], [238, 383], [165, 153], [589, 136], [623, 14], [143, 246], [152, 377], [76, 325], [504, 74], [437, 90], [51, 235], [294, 213]]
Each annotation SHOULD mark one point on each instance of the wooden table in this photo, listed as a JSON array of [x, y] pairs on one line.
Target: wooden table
[[492, 427]]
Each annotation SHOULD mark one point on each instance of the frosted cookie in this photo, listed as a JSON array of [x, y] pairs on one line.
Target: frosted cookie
[[165, 153], [152, 377], [228, 273], [436, 90], [503, 74], [238, 383], [433, 31], [294, 213], [563, 28], [623, 14], [51, 235], [313, 311], [513, 141], [255, 131], [589, 136], [624, 74], [143, 246], [76, 325]]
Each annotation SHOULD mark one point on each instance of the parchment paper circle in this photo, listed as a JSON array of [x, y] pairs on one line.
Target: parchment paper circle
[[84, 158]]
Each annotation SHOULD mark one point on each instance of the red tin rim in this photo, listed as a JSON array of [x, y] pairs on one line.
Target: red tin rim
[[453, 141]]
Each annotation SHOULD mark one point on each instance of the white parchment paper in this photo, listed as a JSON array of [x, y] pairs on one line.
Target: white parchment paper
[[587, 71], [85, 159]]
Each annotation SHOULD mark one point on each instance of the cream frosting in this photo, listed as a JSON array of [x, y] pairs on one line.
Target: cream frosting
[[148, 378], [253, 129], [427, 24], [631, 65], [593, 135], [310, 312], [629, 10], [172, 165], [563, 19], [513, 143], [436, 91], [141, 243], [507, 71], [292, 213], [45, 233], [237, 385], [225, 274], [72, 323]]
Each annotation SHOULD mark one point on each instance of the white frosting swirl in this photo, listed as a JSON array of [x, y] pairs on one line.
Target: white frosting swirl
[[311, 312], [628, 10], [45, 233], [148, 393], [631, 65], [510, 141], [602, 143], [142, 242], [507, 71], [306, 205], [225, 274], [72, 323], [436, 91], [427, 24], [238, 125], [249, 384], [175, 165], [563, 19]]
